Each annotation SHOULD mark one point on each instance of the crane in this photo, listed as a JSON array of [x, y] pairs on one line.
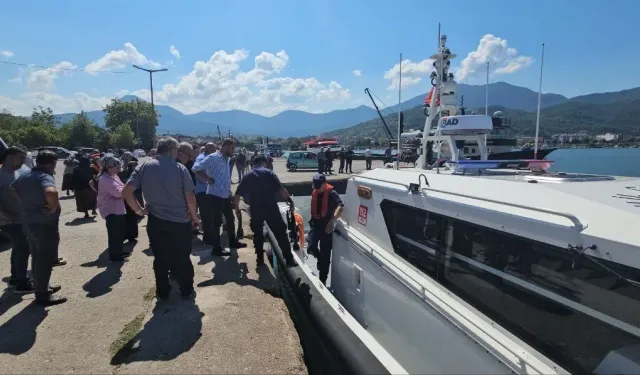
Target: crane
[[379, 114]]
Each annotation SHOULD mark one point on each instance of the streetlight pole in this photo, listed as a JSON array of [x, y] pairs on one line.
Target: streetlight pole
[[151, 71]]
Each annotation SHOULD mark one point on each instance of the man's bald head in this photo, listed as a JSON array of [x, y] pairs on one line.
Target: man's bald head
[[210, 148]]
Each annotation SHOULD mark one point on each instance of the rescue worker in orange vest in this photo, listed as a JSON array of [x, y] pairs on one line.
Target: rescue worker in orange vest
[[326, 208]]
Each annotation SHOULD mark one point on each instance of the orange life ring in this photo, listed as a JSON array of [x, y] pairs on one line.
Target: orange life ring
[[300, 225]]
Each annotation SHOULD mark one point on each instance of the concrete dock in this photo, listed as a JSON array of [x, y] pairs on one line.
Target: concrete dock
[[112, 323]]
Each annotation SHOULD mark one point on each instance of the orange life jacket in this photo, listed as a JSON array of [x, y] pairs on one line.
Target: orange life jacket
[[324, 210], [427, 100], [300, 225]]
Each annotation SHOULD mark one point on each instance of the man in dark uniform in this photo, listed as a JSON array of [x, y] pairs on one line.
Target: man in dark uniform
[[326, 208], [258, 188]]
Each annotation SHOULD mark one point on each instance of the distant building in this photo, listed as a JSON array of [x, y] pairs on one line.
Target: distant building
[[570, 138], [608, 137]]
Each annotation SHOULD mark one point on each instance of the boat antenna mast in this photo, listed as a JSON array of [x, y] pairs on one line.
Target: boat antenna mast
[[384, 123], [400, 119], [535, 149]]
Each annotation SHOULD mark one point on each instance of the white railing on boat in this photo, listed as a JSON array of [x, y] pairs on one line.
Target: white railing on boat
[[576, 222]]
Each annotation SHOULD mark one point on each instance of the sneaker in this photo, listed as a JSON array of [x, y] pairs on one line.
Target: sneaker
[[220, 252], [60, 262], [51, 300], [54, 288], [26, 288], [237, 245]]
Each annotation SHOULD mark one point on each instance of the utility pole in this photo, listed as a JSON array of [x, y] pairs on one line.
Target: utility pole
[[151, 71]]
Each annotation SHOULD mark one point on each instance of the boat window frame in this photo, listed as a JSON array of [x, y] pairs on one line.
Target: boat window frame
[[435, 258]]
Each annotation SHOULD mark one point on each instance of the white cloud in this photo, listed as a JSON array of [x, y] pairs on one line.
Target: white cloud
[[43, 79], [215, 84], [335, 92], [412, 73], [357, 73], [7, 54], [219, 84], [25, 103], [502, 59], [174, 51], [119, 59]]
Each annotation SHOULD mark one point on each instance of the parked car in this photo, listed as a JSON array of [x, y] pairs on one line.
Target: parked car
[[139, 153], [302, 160], [85, 150], [62, 152]]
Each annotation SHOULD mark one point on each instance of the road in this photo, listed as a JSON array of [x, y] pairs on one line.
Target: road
[[112, 324]]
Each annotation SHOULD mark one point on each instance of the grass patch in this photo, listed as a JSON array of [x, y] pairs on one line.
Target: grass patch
[[132, 328]]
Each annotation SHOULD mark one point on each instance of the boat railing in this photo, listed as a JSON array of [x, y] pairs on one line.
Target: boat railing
[[382, 180], [578, 225]]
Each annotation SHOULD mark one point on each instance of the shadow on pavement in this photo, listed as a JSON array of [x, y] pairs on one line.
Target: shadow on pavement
[[18, 334], [8, 299], [173, 329], [103, 282], [228, 270], [80, 220]]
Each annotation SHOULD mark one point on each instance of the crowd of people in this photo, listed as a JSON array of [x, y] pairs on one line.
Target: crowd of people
[[183, 190]]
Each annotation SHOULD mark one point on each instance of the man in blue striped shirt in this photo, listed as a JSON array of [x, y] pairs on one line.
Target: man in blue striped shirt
[[214, 169]]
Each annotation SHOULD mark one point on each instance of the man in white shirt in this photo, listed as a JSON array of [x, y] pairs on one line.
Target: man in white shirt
[[367, 158]]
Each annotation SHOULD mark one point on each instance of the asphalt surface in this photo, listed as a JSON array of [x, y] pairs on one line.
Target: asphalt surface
[[113, 324]]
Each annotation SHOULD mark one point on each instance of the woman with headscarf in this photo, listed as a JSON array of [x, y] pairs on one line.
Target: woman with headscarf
[[70, 165], [129, 164], [85, 195], [112, 207]]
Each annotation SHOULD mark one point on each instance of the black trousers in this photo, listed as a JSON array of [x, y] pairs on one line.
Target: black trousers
[[277, 226], [131, 224], [44, 239], [349, 166], [204, 206], [116, 234], [320, 235], [171, 252], [321, 167], [368, 163], [19, 252], [341, 170], [222, 206]]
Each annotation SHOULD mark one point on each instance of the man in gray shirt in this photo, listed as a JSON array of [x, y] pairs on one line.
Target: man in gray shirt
[[11, 219], [40, 216], [170, 201]]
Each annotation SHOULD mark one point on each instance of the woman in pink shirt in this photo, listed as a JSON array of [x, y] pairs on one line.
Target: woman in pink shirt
[[111, 206]]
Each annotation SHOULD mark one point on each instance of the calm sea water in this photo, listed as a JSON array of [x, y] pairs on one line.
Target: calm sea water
[[610, 161]]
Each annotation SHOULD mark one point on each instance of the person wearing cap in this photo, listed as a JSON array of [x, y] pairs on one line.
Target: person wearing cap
[[326, 208], [111, 207], [259, 188]]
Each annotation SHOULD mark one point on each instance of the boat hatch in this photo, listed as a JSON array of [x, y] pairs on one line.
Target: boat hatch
[[567, 177], [463, 166]]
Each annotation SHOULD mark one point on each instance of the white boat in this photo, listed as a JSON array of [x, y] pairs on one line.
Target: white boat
[[484, 267]]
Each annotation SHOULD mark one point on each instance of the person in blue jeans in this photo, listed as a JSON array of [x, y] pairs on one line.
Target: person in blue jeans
[[40, 218], [11, 220]]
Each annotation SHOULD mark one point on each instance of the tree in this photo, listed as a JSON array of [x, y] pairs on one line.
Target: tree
[[123, 136], [138, 114], [81, 131], [44, 116]]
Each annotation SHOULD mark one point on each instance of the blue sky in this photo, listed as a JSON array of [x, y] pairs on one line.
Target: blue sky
[[269, 56]]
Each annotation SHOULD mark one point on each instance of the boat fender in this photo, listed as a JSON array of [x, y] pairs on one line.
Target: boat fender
[[300, 225]]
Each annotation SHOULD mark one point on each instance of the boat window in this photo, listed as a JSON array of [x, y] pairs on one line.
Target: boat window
[[573, 309]]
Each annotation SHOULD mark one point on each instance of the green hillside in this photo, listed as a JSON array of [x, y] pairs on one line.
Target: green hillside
[[621, 117]]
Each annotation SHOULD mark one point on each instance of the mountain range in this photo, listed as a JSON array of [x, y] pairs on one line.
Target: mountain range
[[300, 123]]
